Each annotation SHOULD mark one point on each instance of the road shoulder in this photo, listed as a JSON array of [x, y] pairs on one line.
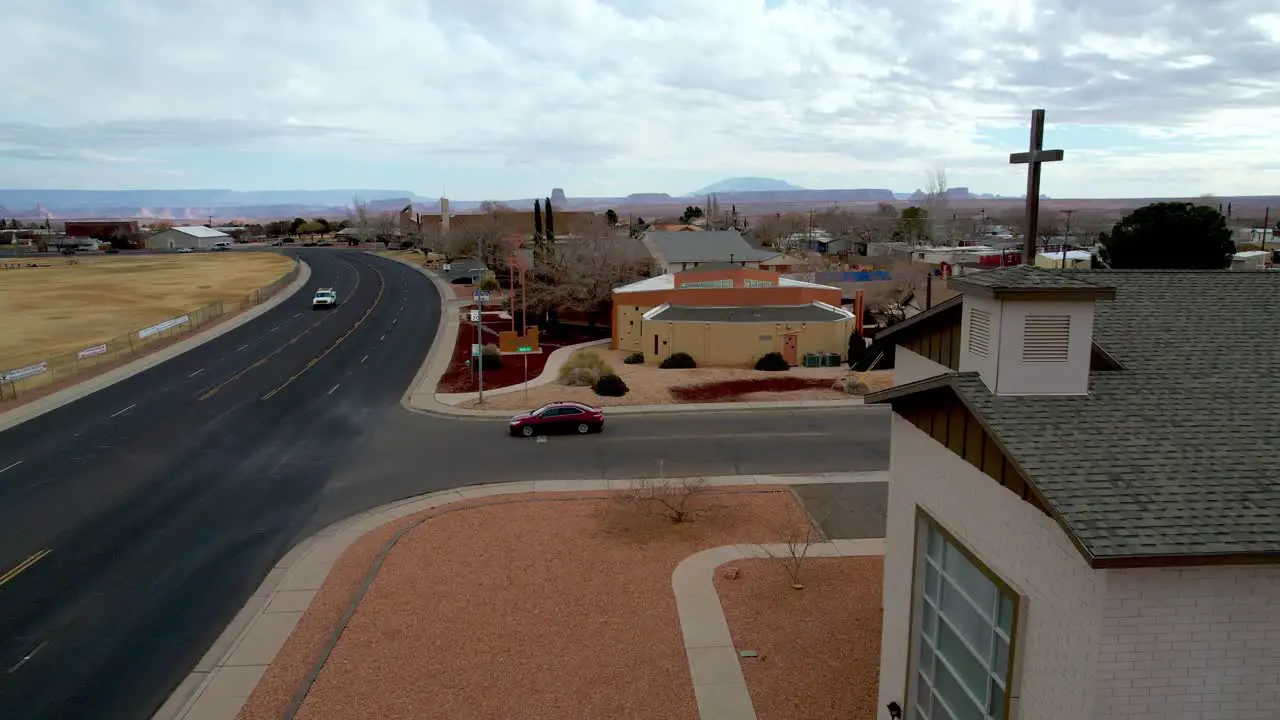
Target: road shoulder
[[40, 406]]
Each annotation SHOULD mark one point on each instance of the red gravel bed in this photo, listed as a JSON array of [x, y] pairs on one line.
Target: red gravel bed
[[533, 608], [459, 378], [733, 390], [819, 648]]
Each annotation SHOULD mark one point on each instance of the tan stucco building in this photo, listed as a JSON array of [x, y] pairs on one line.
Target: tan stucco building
[[729, 317]]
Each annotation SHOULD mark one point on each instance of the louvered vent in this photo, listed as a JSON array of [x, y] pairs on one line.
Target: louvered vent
[[979, 332], [1046, 338]]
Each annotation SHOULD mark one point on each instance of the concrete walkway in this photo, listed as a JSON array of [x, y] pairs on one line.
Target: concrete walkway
[[550, 373], [718, 683], [225, 677], [40, 406]]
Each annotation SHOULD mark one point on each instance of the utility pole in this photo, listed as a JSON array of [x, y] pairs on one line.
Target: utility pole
[[1066, 237], [1266, 219], [480, 321]]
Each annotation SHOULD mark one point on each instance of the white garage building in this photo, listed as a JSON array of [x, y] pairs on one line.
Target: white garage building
[[196, 237]]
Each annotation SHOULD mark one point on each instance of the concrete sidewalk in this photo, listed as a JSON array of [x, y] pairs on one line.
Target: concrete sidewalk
[[40, 406], [421, 396], [228, 673]]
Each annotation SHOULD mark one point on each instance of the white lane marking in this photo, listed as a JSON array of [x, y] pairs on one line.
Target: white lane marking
[[394, 319], [297, 314], [121, 412], [715, 436], [14, 465], [332, 389], [196, 373], [275, 328], [241, 348], [384, 337], [27, 657], [366, 357]]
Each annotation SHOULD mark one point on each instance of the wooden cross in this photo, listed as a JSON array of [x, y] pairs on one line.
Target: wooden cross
[[1032, 159]]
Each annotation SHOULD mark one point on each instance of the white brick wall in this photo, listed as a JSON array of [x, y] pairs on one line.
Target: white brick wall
[[1063, 596], [1190, 644], [909, 366]]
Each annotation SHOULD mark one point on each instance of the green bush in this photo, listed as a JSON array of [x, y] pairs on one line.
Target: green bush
[[583, 368], [610, 386], [773, 362], [678, 361], [634, 359], [489, 282]]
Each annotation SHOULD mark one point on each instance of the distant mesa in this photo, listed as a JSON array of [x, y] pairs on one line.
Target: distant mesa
[[558, 198], [648, 197], [747, 184]]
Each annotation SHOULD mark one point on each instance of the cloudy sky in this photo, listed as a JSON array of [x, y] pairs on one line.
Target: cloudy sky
[[508, 98]]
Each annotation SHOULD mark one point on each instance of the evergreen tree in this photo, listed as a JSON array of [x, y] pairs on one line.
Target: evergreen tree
[[1169, 235], [537, 219], [551, 228]]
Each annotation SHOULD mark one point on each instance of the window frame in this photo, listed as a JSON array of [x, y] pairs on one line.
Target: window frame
[[921, 562]]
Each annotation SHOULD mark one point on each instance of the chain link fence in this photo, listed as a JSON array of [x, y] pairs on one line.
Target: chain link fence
[[14, 382]]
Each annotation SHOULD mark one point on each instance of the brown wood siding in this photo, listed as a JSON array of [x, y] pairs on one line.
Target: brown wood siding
[[938, 342], [954, 427]]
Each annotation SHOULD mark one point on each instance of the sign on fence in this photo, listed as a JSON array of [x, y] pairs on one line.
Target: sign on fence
[[475, 350], [24, 372], [475, 316], [91, 351], [161, 327]]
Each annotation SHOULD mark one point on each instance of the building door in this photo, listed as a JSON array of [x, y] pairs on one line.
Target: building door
[[655, 345], [789, 348]]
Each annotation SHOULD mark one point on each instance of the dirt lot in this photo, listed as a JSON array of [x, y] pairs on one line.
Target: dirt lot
[[650, 385], [542, 608], [63, 308]]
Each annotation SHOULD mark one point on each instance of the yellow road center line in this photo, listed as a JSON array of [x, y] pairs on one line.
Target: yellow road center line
[[213, 391], [18, 570], [381, 288]]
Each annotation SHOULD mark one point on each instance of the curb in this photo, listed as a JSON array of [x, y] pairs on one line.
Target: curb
[[220, 684], [88, 386], [808, 405]]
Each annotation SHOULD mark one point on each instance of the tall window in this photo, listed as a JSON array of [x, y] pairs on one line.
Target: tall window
[[962, 634]]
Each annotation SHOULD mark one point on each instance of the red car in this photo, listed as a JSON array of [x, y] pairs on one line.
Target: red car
[[559, 417]]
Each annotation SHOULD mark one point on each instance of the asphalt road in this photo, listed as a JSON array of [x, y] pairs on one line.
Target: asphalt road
[[136, 521]]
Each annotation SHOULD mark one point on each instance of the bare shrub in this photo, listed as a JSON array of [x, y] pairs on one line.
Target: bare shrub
[[796, 533], [852, 384], [584, 368], [672, 498]]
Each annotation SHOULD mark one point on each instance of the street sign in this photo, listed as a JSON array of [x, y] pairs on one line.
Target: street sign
[[482, 296], [447, 267], [525, 349], [475, 350], [475, 316]]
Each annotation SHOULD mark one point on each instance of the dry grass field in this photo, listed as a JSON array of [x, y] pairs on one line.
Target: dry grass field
[[47, 311]]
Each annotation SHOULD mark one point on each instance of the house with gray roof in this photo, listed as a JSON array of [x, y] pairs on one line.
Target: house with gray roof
[[675, 251], [1084, 505]]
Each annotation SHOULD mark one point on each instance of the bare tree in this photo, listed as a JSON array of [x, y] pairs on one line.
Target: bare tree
[[359, 217], [582, 274], [672, 498], [796, 533], [936, 205]]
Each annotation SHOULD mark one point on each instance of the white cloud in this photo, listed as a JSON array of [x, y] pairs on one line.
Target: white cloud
[[856, 90]]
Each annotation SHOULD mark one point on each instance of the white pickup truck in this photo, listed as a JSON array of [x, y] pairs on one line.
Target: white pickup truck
[[324, 298]]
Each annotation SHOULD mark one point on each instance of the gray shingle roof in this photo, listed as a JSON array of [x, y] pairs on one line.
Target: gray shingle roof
[[1176, 454], [765, 313], [1023, 278], [708, 246]]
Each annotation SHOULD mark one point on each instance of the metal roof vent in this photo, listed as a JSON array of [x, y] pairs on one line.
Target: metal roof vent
[[1046, 338], [979, 332]]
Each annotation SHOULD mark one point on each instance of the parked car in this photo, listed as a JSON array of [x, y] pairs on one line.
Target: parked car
[[559, 417], [185, 250], [222, 245]]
